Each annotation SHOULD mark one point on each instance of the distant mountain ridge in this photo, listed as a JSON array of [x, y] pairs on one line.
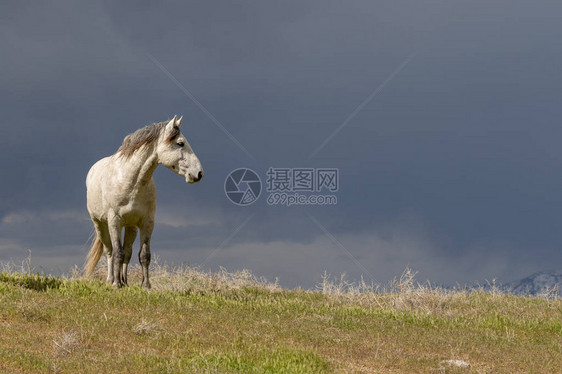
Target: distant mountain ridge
[[536, 283]]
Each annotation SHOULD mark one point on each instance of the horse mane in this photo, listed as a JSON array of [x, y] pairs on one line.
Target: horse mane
[[145, 136]]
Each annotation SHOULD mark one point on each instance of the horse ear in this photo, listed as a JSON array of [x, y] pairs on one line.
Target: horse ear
[[179, 121], [170, 125]]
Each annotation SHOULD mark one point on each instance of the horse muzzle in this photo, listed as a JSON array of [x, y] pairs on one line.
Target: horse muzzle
[[194, 179]]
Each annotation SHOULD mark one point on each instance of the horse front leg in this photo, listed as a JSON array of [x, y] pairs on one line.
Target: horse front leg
[[128, 240], [144, 253], [118, 254]]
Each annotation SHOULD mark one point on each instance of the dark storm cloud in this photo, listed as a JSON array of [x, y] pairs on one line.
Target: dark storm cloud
[[459, 152]]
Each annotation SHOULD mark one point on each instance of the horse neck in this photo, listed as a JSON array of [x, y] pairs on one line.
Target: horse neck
[[137, 170]]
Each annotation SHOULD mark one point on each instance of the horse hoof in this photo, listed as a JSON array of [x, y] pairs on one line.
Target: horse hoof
[[117, 285]]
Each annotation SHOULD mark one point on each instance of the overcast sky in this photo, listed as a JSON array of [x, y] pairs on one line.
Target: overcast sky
[[443, 118]]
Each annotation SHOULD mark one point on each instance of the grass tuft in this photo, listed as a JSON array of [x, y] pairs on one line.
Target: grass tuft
[[145, 327], [34, 282], [66, 342]]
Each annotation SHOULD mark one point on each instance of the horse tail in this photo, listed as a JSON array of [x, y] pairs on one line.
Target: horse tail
[[93, 256]]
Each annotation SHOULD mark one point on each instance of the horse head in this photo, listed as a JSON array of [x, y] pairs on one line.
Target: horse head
[[175, 153]]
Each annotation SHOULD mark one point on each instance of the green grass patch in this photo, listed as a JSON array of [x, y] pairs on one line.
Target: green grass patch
[[228, 323]]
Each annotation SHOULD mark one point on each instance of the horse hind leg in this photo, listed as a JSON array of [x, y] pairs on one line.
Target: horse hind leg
[[144, 253], [128, 240], [103, 234]]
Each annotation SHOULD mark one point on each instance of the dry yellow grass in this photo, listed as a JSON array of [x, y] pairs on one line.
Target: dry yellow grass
[[202, 322]]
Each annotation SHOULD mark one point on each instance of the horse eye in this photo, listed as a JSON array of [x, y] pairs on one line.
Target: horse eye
[[180, 144]]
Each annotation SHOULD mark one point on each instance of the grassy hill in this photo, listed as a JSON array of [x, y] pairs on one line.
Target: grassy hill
[[221, 323]]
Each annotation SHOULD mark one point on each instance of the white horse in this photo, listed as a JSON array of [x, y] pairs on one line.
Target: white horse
[[122, 194]]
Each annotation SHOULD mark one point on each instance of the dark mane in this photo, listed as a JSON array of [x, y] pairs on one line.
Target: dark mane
[[146, 136]]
